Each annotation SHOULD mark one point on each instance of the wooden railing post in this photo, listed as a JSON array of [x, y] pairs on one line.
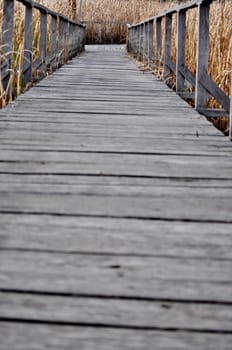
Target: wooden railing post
[[43, 35], [230, 121], [79, 38], [132, 31], [150, 41], [71, 40], [66, 37], [158, 49], [140, 41], [180, 53], [7, 37], [28, 45], [54, 34], [128, 41], [202, 54], [130, 38], [83, 38], [144, 42], [168, 43], [134, 39], [61, 40], [76, 39], [137, 40]]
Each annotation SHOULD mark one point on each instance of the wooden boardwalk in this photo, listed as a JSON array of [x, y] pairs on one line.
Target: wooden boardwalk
[[115, 215]]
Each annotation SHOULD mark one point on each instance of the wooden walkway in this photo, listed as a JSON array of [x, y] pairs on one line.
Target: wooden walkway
[[115, 215]]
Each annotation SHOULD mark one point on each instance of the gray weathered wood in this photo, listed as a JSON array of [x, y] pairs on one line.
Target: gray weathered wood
[[28, 45], [183, 279], [213, 112], [119, 237], [54, 35], [230, 125], [158, 40], [150, 41], [168, 43], [17, 336], [162, 204], [145, 42], [43, 36], [109, 219], [204, 84], [7, 38], [180, 59], [44, 61], [213, 89], [133, 313], [141, 38], [61, 40], [202, 54], [188, 75]]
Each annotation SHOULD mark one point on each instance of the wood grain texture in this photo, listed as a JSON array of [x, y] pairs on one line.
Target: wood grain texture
[[20, 336], [113, 275], [113, 236], [116, 312], [115, 215]]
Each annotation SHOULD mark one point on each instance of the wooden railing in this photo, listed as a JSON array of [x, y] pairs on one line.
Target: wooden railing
[[141, 42], [66, 37]]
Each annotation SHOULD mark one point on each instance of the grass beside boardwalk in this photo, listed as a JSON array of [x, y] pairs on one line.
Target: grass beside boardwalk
[[127, 11]]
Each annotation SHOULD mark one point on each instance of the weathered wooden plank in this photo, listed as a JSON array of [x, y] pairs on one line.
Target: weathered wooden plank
[[189, 279], [87, 93], [160, 145], [65, 181], [28, 120], [187, 133], [115, 126], [113, 236], [140, 165], [16, 336], [166, 204], [102, 105], [117, 312]]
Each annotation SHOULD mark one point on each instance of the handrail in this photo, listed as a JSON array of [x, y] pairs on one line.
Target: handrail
[[67, 39], [140, 42]]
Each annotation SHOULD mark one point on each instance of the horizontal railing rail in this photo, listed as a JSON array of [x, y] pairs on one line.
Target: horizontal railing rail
[[140, 41], [67, 39]]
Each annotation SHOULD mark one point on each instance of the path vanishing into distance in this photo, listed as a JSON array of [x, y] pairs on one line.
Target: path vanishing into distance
[[115, 214]]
